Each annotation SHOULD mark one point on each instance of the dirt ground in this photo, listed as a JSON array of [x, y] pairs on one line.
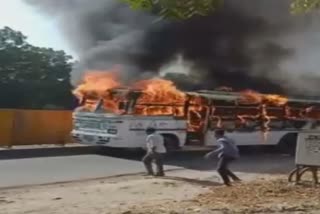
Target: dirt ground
[[182, 191]]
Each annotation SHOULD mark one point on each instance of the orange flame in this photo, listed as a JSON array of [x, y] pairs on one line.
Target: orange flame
[[275, 99], [95, 86], [161, 97], [252, 97], [96, 83], [161, 92]]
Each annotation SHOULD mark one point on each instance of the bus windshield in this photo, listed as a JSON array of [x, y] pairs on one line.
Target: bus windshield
[[135, 102]]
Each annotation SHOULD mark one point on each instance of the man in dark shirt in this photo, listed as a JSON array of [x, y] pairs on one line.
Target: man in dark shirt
[[227, 152]]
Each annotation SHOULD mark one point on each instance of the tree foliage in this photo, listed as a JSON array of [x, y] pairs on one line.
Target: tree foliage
[[30, 76], [184, 9], [302, 6]]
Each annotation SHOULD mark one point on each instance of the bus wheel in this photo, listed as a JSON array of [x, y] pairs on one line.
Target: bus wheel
[[288, 143], [171, 142]]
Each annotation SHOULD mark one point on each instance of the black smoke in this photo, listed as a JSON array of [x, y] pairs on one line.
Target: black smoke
[[220, 46], [254, 44]]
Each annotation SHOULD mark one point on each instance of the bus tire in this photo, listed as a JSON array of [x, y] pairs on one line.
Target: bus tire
[[288, 143], [171, 142]]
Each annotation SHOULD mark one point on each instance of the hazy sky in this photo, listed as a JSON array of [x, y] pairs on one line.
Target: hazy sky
[[41, 31]]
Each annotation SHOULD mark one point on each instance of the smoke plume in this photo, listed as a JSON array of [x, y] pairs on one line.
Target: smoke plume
[[253, 44]]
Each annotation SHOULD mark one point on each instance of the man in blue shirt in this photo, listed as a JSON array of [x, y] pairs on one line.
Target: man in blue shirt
[[227, 152]]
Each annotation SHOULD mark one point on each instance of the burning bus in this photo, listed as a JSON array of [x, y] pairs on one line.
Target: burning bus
[[116, 116]]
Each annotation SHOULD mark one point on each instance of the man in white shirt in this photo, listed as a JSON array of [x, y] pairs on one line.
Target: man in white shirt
[[155, 152]]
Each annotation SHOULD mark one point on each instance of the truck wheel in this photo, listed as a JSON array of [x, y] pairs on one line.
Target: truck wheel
[[288, 143], [171, 142]]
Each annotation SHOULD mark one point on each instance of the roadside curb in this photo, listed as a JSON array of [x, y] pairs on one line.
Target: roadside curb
[[32, 152]]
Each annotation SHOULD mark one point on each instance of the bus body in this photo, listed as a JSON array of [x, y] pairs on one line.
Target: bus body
[[127, 130], [124, 131]]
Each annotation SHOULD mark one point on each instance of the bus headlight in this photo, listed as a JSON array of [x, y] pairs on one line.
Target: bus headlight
[[76, 126]]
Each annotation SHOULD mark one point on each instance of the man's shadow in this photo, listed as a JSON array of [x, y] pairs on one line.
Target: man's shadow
[[202, 183]]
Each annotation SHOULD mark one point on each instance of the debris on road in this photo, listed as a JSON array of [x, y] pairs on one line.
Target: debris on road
[[263, 196], [183, 192]]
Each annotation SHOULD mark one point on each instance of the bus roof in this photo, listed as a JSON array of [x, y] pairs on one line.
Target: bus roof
[[231, 96], [221, 95]]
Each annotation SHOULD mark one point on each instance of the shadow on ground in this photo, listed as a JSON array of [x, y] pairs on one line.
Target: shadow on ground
[[203, 183]]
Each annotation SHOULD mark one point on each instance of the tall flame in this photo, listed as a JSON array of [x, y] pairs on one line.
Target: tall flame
[[159, 91], [96, 83], [163, 94]]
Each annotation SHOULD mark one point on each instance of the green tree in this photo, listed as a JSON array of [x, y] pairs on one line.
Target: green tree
[[185, 9], [302, 6], [180, 9], [30, 76]]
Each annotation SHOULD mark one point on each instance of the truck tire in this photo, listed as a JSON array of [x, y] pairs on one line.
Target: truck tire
[[288, 143], [171, 142]]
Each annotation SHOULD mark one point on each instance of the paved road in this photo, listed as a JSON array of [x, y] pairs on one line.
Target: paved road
[[32, 167], [55, 169], [49, 166]]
